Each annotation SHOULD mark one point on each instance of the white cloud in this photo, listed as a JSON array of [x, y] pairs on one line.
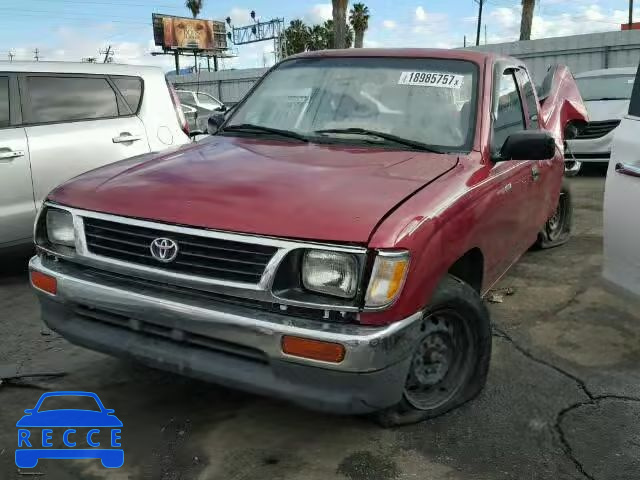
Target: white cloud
[[240, 16], [421, 14], [389, 24], [319, 13]]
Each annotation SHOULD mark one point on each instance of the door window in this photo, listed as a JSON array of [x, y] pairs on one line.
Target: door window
[[530, 98], [60, 99], [634, 105], [208, 102], [131, 90], [4, 102], [508, 116], [186, 97]]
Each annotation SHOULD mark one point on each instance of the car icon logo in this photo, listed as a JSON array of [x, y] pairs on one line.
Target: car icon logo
[[164, 249], [80, 433]]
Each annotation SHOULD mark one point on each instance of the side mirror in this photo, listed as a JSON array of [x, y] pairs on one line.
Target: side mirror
[[221, 108], [29, 410], [214, 123], [195, 133], [527, 145]]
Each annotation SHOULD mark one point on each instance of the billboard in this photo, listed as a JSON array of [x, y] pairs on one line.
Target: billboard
[[182, 33]]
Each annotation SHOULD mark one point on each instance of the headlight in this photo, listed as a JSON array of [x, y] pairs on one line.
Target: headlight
[[387, 278], [60, 227], [331, 273]]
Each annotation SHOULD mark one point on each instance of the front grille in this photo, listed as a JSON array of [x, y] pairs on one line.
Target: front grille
[[597, 129], [201, 256], [172, 334], [589, 156]]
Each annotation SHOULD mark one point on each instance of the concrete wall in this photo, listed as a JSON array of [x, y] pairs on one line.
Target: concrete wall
[[579, 52]]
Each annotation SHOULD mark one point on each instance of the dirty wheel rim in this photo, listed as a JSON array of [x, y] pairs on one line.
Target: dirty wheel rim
[[555, 225], [441, 363]]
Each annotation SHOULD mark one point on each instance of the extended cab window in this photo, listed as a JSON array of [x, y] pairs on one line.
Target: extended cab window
[[426, 100], [508, 113], [60, 99], [529, 97], [4, 102], [131, 89]]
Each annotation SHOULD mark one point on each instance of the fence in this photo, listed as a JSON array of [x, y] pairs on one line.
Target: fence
[[579, 52], [227, 85]]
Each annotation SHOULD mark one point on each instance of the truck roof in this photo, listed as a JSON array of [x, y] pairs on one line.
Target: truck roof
[[454, 54], [78, 67]]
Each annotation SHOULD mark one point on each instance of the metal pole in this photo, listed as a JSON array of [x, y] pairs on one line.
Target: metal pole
[[485, 33], [480, 3], [215, 63], [208, 64], [195, 62], [465, 41], [177, 59], [630, 14]]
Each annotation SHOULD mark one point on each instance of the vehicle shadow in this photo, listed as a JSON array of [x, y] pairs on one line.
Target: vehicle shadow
[[14, 264]]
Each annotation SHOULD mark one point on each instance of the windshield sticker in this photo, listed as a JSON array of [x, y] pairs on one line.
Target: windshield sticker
[[431, 79]]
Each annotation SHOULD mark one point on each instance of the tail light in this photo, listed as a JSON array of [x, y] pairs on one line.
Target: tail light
[[178, 108]]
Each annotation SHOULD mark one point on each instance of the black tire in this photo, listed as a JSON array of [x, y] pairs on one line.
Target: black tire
[[557, 229], [466, 361]]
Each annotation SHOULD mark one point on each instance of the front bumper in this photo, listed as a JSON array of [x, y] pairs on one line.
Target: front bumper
[[229, 344], [594, 150]]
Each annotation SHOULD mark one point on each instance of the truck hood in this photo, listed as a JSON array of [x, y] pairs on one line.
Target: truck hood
[[606, 109], [275, 188]]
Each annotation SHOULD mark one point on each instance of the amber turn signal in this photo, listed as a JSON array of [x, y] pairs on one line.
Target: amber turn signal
[[43, 282], [313, 349]]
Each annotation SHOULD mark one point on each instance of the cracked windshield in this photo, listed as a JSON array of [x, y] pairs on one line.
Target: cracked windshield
[[319, 240]]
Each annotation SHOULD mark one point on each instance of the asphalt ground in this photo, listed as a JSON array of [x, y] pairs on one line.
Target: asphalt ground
[[562, 399]]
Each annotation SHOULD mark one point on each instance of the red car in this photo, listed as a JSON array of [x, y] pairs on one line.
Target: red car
[[332, 242]]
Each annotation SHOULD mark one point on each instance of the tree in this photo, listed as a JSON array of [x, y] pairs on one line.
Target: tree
[[339, 14], [195, 6], [298, 37], [359, 20], [330, 38], [318, 38], [527, 19]]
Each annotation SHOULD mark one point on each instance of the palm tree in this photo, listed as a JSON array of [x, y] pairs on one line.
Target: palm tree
[[359, 20], [195, 6], [527, 19], [298, 37], [340, 21], [329, 38]]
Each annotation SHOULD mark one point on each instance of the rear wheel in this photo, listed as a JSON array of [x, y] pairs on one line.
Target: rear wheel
[[450, 363], [557, 228]]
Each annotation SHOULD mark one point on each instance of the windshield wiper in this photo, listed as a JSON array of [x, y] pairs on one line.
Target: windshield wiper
[[251, 128], [385, 136], [606, 98]]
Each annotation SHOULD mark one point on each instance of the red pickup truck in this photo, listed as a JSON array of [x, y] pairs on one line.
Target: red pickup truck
[[331, 243]]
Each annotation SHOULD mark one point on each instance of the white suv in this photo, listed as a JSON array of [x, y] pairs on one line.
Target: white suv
[[58, 120], [621, 202]]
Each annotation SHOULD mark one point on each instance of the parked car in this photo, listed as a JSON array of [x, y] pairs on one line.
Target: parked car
[[197, 118], [321, 247], [621, 196], [201, 100], [58, 120], [606, 94]]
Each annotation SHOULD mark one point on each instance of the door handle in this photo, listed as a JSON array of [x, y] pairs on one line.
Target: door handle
[[535, 173], [625, 169], [11, 154], [126, 137]]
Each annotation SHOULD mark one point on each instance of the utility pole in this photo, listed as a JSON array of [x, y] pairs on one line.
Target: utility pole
[[36, 53], [465, 41], [480, 4], [108, 54], [630, 14], [485, 33]]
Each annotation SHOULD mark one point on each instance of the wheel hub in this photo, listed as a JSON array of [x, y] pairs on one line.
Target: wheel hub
[[431, 363]]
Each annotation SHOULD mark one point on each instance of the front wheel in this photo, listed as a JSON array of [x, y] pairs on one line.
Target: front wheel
[[557, 229], [450, 362]]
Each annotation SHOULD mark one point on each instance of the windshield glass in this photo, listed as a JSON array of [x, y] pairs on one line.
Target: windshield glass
[[431, 101], [606, 87], [65, 402]]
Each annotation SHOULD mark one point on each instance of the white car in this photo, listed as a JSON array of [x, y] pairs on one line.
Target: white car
[[200, 100], [606, 95], [58, 120], [621, 200]]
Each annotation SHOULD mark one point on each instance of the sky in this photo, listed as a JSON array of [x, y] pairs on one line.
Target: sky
[[73, 29]]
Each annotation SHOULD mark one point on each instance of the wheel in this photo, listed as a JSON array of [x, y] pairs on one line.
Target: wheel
[[572, 168], [451, 360], [557, 229]]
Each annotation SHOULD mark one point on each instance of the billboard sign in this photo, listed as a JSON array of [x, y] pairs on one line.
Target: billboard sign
[[181, 33]]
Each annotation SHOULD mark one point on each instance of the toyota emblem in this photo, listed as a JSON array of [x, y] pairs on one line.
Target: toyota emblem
[[164, 249]]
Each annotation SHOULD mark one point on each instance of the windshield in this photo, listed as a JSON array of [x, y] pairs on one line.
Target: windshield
[[208, 102], [606, 87], [431, 101], [65, 402]]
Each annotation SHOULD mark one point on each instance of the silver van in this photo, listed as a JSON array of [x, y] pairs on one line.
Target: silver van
[[58, 120]]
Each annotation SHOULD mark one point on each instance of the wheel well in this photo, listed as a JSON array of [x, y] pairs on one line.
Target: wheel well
[[470, 268]]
